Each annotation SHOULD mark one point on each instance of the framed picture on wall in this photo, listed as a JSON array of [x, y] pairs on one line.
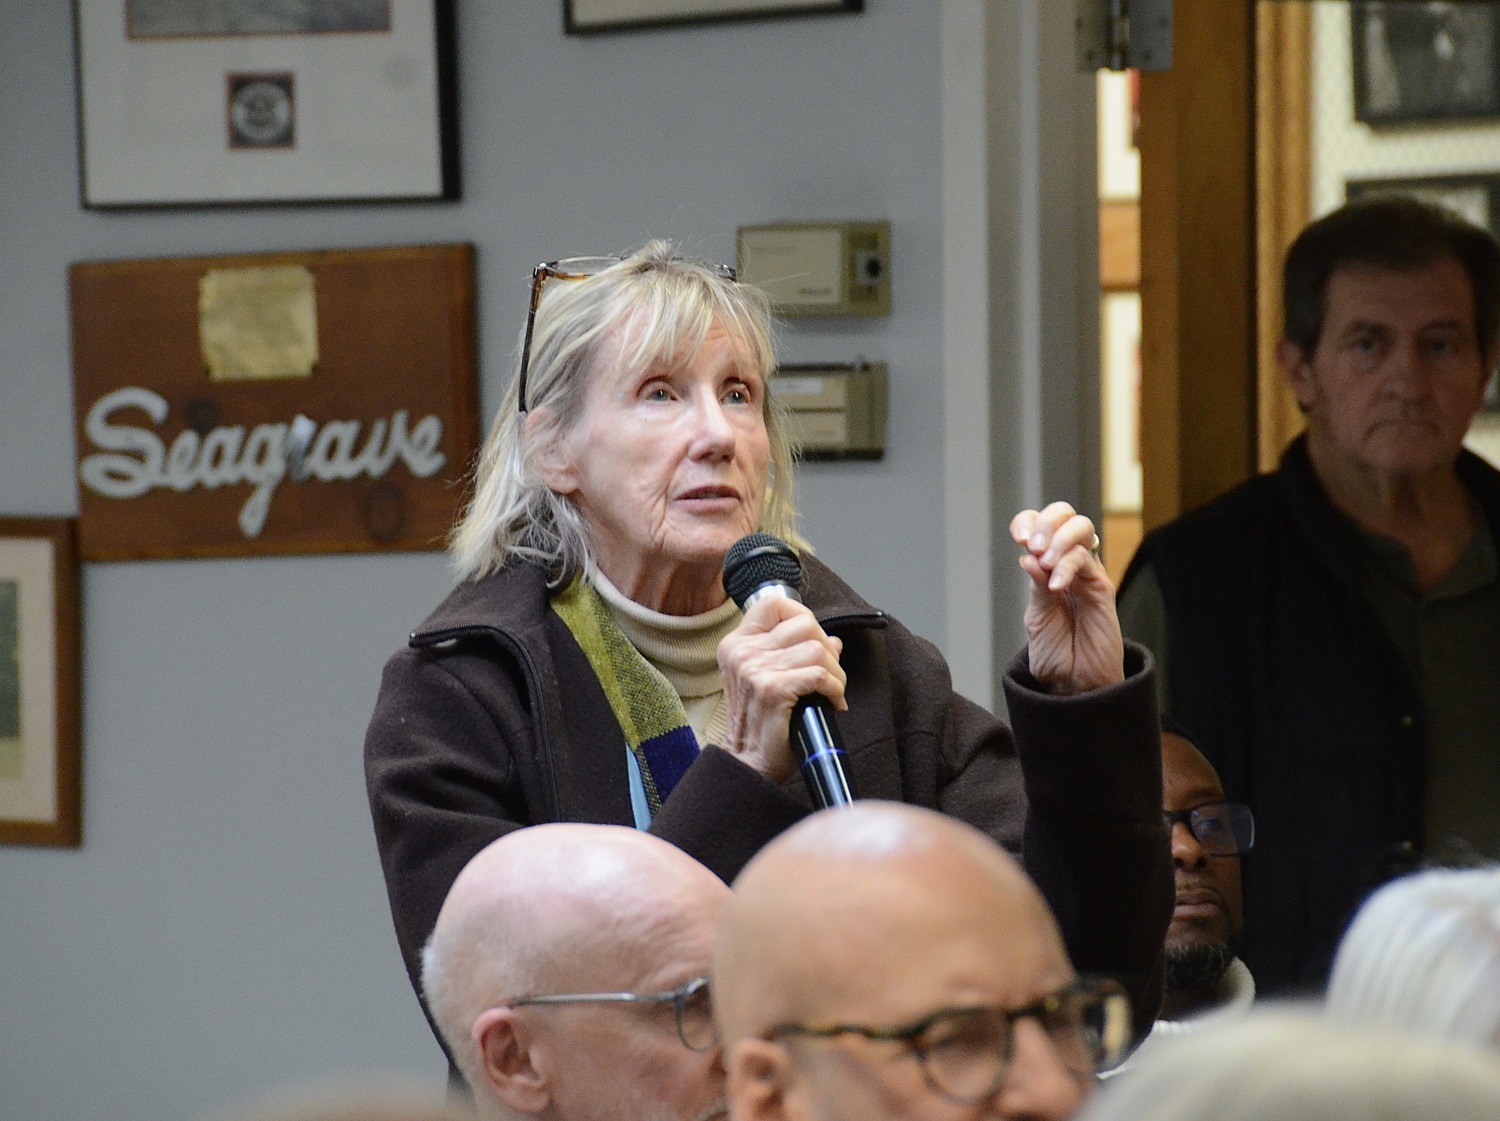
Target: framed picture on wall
[[183, 103], [39, 715], [1475, 197], [588, 17], [1425, 62]]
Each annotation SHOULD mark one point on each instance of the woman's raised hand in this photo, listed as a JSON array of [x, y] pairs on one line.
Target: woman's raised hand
[[777, 655], [1072, 629]]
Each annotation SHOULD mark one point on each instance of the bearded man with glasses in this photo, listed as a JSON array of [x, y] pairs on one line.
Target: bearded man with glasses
[[566, 975], [884, 961], [1207, 983], [1209, 835]]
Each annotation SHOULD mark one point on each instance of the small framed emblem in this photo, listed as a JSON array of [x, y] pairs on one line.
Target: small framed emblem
[[262, 110]]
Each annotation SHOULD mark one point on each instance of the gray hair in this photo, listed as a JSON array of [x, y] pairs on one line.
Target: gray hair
[[1423, 954], [466, 970], [671, 304], [444, 959], [1277, 1063]]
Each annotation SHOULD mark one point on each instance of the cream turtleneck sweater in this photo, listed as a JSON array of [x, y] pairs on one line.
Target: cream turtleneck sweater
[[683, 648]]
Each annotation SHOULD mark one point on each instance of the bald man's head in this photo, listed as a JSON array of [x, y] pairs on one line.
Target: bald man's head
[[840, 890], [568, 909], [880, 915]]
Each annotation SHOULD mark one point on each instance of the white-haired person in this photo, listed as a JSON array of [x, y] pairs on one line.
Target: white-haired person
[[590, 666], [1279, 1063], [1423, 955]]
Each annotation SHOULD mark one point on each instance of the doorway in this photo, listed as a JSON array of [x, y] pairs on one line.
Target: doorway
[[1273, 115]]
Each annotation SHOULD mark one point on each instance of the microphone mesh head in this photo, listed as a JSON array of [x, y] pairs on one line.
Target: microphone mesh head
[[758, 559]]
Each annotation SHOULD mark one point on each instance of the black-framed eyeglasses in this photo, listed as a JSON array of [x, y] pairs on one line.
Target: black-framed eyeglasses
[[965, 1052], [692, 1005], [1222, 828], [575, 268]]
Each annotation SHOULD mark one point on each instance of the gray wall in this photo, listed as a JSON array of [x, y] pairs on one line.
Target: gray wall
[[223, 929]]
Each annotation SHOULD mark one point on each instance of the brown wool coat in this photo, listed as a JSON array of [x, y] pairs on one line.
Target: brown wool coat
[[491, 719]]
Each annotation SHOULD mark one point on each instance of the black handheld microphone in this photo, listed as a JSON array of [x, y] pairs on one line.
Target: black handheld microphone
[[759, 565]]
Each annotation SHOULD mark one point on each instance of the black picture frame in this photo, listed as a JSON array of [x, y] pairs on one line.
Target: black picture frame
[[1476, 196], [282, 102], [602, 17], [1420, 63]]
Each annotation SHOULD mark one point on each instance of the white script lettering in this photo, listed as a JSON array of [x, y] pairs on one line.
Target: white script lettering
[[134, 460]]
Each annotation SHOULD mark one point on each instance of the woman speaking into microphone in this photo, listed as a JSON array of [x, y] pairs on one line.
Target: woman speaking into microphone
[[591, 667]]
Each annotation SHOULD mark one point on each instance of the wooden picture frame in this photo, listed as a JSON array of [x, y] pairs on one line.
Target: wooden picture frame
[[40, 742], [1416, 63], [591, 17], [183, 104]]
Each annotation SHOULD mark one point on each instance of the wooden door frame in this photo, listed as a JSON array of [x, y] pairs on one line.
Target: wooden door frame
[[1199, 326], [1283, 183]]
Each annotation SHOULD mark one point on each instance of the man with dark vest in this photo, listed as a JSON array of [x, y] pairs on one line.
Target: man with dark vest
[[1331, 631]]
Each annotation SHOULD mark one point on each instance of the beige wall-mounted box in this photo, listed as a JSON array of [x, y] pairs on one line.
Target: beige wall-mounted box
[[837, 412], [820, 268]]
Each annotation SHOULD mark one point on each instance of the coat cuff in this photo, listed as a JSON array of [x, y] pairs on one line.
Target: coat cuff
[[1097, 752], [722, 812]]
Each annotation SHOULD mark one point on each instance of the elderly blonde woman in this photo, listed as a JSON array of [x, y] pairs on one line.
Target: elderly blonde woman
[[589, 666]]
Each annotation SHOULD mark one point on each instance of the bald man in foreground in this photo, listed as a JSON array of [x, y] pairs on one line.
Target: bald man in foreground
[[883, 961], [566, 973]]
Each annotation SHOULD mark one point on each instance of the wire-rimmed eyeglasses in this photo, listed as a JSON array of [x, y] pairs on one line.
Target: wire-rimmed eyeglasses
[[1221, 828], [576, 268], [692, 1006], [965, 1052]]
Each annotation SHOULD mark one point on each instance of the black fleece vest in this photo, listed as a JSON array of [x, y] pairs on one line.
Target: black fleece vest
[[1281, 670]]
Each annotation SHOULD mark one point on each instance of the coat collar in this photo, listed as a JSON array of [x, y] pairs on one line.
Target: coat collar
[[581, 741]]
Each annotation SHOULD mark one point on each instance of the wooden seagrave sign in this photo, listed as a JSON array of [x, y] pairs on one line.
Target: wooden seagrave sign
[[320, 402]]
